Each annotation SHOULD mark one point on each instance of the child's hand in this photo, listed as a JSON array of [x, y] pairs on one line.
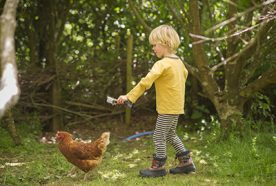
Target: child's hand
[[121, 99]]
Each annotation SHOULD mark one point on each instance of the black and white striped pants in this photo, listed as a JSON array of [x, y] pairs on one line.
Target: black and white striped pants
[[165, 131]]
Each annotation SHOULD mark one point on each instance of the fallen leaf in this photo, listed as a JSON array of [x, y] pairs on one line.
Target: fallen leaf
[[203, 162], [14, 164]]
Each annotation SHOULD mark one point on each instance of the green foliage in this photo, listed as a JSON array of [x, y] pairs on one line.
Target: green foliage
[[199, 112], [244, 4], [261, 107]]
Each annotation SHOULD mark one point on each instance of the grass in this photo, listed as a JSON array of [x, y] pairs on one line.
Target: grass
[[251, 161]]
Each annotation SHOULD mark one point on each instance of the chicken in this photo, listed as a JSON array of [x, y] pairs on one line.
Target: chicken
[[85, 156]]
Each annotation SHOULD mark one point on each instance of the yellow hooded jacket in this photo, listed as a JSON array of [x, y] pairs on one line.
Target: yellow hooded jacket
[[169, 76]]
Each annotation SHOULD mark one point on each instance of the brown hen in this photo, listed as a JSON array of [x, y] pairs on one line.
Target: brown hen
[[85, 156]]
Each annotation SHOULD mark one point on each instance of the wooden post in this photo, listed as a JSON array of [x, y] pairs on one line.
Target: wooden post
[[129, 74]]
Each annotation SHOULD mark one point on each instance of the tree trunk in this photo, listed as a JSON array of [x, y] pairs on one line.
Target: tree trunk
[[9, 90], [226, 103], [57, 122], [49, 33], [209, 85], [129, 74], [33, 40], [12, 129], [194, 94], [231, 119]]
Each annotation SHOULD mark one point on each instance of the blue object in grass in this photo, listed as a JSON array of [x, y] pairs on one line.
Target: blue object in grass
[[139, 135]]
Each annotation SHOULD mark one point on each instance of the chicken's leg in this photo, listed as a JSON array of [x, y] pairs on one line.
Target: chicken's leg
[[73, 172], [85, 176]]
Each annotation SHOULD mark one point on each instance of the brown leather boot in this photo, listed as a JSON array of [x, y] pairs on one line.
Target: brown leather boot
[[157, 168], [186, 164]]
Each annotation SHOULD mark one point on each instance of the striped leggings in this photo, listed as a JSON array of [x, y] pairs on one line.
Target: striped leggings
[[165, 131]]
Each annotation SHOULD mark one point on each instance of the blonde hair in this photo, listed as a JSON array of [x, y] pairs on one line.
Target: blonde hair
[[165, 35]]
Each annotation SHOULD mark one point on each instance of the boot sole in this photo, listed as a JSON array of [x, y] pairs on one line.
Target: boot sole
[[187, 170]]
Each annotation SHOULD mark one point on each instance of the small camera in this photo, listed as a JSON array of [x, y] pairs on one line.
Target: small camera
[[113, 102]]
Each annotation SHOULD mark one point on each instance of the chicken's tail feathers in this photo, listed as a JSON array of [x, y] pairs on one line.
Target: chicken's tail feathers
[[106, 137]]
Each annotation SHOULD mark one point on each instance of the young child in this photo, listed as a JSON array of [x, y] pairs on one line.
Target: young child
[[169, 75]]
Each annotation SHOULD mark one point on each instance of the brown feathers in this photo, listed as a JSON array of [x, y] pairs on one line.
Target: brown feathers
[[85, 156]]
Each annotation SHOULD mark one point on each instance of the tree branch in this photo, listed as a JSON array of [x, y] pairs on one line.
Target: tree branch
[[186, 15], [224, 62], [255, 64], [263, 81], [76, 113], [176, 14], [246, 52], [100, 108], [268, 2], [205, 39], [138, 16], [193, 70]]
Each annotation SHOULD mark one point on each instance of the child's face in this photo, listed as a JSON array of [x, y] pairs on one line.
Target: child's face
[[160, 50]]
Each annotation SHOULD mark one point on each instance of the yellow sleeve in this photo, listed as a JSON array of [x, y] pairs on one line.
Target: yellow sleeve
[[146, 82]]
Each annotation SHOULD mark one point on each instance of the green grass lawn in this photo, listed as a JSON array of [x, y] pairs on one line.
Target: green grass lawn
[[232, 162]]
